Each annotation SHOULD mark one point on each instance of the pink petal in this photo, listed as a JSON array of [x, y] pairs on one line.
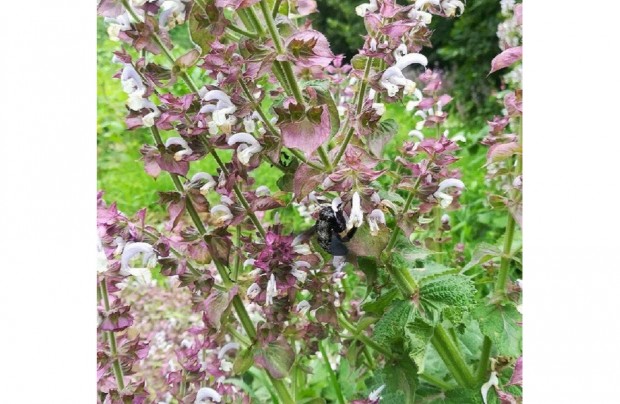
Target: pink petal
[[506, 58]]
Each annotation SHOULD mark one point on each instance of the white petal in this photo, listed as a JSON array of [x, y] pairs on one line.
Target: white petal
[[375, 394], [303, 307], [493, 381], [272, 290], [450, 182], [417, 134], [411, 58], [253, 291], [336, 203], [207, 393], [133, 249], [223, 350]]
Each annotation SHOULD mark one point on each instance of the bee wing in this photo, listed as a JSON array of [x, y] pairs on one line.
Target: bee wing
[[337, 247]]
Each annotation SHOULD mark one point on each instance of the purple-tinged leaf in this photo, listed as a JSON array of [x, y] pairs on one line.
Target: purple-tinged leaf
[[381, 136], [276, 357], [502, 151], [215, 305], [505, 398], [306, 180], [517, 374], [117, 319], [506, 58], [307, 135]]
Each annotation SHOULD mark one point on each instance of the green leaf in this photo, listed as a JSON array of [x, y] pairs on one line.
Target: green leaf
[[499, 323], [400, 379], [368, 265], [199, 27], [418, 333], [243, 361], [390, 329], [432, 270], [450, 290], [367, 245], [378, 305], [381, 136], [482, 253], [277, 357]]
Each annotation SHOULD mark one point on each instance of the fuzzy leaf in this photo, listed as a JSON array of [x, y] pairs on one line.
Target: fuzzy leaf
[[445, 291], [216, 304], [419, 333], [390, 328], [432, 270], [381, 136], [324, 96], [499, 323], [506, 58], [365, 244], [277, 357], [305, 134], [306, 180], [400, 379]]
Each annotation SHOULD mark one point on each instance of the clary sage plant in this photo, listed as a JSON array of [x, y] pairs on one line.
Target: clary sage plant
[[244, 308]]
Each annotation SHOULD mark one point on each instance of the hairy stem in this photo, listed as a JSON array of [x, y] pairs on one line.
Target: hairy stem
[[435, 381], [360, 103], [116, 363], [451, 357], [484, 360], [332, 375], [277, 41], [363, 338]]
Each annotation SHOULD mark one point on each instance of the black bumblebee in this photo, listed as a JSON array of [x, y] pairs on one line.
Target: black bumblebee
[[329, 226]]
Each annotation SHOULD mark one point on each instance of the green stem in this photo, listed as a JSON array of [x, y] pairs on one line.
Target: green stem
[[116, 364], [451, 357], [358, 109], [278, 71], [242, 31], [276, 7], [323, 155], [403, 280], [237, 261], [502, 276], [332, 375], [363, 338], [277, 41], [435, 381], [484, 360], [257, 24]]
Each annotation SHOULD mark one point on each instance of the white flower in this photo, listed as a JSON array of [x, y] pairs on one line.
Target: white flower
[[174, 9], [220, 214], [379, 108], [130, 251], [117, 24], [339, 261], [446, 199], [417, 134], [102, 261], [445, 218], [226, 366], [226, 200], [300, 275], [302, 249], [421, 16], [179, 141], [248, 124], [223, 350], [249, 146], [393, 77], [356, 219], [362, 9], [206, 395], [336, 203], [219, 111], [272, 290], [253, 291], [375, 217], [263, 190], [148, 120], [450, 6], [493, 381], [419, 4], [458, 138], [209, 184], [375, 394], [375, 198], [303, 307]]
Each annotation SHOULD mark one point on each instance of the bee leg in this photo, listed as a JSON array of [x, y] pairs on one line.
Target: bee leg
[[349, 235]]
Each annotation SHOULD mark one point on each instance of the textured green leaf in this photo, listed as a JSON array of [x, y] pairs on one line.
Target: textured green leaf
[[400, 379], [381, 136], [431, 270], [499, 323], [390, 329], [419, 333], [449, 290], [378, 305]]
